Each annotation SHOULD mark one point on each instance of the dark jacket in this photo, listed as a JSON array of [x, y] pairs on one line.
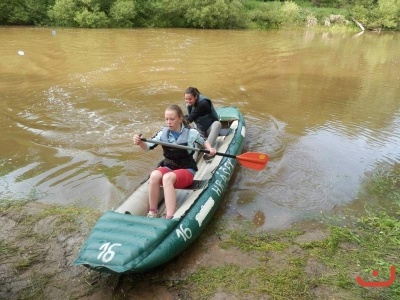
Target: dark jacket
[[202, 113]]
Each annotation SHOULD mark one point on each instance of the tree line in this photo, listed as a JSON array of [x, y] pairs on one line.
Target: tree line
[[209, 14]]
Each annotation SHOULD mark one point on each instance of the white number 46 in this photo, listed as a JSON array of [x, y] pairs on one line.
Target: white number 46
[[107, 253]]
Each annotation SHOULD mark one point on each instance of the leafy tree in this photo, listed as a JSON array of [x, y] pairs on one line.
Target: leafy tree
[[388, 13], [63, 13], [18, 13], [90, 15], [105, 5], [327, 3], [5, 8], [173, 12], [148, 13], [122, 13], [37, 10], [91, 19], [291, 11], [216, 14], [375, 14], [82, 13], [267, 15]]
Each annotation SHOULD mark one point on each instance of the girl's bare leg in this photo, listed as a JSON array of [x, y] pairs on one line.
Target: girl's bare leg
[[154, 188], [169, 180]]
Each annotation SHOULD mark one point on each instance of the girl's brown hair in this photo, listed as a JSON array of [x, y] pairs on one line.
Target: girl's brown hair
[[193, 91], [176, 108]]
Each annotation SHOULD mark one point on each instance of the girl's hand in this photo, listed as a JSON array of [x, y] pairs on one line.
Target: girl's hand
[[212, 151], [137, 139]]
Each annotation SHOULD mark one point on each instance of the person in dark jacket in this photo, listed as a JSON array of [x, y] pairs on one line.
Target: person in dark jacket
[[178, 167], [202, 112]]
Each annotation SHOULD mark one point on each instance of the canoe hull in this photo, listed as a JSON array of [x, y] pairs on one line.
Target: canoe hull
[[129, 243]]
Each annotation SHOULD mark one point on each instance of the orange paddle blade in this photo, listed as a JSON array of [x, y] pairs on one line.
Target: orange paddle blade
[[253, 160]]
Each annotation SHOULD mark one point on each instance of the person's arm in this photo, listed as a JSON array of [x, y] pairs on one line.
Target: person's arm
[[137, 141], [208, 146], [202, 141], [201, 109], [145, 145]]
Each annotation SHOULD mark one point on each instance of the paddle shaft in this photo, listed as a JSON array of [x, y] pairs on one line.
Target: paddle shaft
[[186, 147], [253, 160]]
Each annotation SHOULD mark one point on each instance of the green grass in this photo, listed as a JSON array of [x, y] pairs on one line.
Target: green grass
[[6, 249], [29, 242], [35, 290], [356, 247], [385, 183], [373, 243]]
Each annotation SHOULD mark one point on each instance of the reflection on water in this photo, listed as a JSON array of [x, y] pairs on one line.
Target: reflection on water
[[324, 106]]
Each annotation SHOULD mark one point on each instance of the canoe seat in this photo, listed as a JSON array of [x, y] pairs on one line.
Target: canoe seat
[[197, 184]]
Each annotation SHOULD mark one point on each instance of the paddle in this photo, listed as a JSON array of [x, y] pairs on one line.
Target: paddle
[[252, 160]]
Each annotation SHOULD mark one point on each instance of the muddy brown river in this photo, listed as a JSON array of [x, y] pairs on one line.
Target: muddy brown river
[[324, 105]]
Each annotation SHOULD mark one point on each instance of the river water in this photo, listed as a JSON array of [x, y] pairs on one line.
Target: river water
[[324, 105]]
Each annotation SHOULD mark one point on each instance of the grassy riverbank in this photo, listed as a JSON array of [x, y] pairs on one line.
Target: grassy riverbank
[[310, 261], [319, 259]]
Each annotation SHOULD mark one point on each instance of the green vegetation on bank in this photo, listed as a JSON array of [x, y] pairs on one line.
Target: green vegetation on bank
[[210, 14], [292, 268], [58, 219], [294, 265]]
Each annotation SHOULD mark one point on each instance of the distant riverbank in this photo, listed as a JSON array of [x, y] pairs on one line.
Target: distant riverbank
[[209, 14]]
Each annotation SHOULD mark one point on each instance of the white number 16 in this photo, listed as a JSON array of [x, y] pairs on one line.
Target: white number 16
[[107, 254], [185, 233]]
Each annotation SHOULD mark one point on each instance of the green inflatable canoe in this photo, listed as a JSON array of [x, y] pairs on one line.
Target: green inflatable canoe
[[124, 240]]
